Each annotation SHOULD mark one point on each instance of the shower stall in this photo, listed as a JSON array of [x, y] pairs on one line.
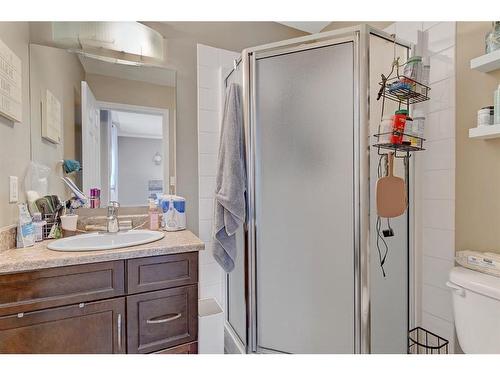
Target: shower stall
[[308, 276]]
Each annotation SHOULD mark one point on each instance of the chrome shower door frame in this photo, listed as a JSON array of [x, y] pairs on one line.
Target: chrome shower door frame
[[359, 37]]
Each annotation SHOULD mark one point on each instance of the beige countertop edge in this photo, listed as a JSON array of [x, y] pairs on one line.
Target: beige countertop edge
[[40, 257]]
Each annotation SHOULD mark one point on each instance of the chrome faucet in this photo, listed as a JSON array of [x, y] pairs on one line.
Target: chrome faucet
[[112, 225]]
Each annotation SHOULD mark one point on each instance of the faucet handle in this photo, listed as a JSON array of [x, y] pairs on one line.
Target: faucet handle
[[113, 208]]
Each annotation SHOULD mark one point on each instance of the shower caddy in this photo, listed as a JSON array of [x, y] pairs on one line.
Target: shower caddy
[[411, 92]]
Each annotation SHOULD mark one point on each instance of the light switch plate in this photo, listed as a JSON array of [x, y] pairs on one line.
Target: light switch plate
[[13, 189]]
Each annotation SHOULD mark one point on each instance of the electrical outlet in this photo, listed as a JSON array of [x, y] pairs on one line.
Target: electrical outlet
[[13, 189]]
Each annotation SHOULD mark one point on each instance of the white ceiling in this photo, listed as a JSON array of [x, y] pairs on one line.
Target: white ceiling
[[310, 27], [142, 125], [151, 74]]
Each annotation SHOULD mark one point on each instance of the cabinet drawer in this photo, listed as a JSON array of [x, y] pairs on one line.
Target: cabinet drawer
[[162, 319], [166, 271], [91, 328], [36, 290], [191, 348]]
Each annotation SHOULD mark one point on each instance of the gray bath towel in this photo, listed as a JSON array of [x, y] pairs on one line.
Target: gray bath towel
[[230, 202]]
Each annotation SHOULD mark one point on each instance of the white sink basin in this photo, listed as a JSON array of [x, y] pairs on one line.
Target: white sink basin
[[105, 241]]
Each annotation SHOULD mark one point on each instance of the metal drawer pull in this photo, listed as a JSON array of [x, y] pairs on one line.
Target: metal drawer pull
[[157, 321], [119, 329]]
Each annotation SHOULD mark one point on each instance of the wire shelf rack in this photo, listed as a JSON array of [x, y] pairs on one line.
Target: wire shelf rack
[[403, 89], [422, 341], [383, 142]]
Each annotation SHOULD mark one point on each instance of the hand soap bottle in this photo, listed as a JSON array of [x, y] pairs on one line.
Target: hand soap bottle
[[154, 217]]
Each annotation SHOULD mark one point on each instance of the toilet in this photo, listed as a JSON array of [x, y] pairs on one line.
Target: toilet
[[476, 308]]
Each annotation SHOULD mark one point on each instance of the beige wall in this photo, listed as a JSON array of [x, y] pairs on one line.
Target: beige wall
[[182, 38], [477, 214], [61, 73], [15, 137], [123, 91]]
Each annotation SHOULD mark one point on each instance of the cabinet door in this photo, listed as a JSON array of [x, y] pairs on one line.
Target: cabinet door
[[162, 319], [93, 328]]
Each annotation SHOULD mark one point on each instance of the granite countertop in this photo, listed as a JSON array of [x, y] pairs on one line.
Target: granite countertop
[[39, 256]]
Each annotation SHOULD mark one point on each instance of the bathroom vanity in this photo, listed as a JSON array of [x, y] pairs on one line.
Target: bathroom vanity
[[140, 299]]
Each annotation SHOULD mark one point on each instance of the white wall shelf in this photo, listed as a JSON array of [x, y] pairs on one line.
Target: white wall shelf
[[486, 63], [485, 132]]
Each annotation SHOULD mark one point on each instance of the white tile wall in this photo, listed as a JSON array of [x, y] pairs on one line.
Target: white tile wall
[[436, 184], [437, 301], [443, 65], [441, 36], [435, 271], [441, 98], [435, 177], [439, 243], [438, 125], [439, 213], [439, 154], [212, 62]]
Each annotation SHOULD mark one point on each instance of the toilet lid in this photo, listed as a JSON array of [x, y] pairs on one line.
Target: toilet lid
[[476, 281]]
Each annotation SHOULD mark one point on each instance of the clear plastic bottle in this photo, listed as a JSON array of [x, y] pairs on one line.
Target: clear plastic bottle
[[38, 225], [25, 236], [385, 130]]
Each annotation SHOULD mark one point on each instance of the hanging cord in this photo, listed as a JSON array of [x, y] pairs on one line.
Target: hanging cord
[[382, 253]]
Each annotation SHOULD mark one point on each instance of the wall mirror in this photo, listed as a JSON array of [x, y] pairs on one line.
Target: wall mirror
[[115, 117]]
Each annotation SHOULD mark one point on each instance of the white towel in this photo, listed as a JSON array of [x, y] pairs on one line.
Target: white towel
[[230, 200]]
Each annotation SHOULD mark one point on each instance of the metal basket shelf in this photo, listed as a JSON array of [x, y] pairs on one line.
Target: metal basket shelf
[[404, 89], [422, 341], [51, 220], [401, 147]]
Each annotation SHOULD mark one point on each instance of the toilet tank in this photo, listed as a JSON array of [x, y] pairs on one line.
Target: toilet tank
[[476, 308]]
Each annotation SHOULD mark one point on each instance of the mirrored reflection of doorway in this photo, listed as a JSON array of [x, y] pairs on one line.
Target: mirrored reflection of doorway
[[126, 148]]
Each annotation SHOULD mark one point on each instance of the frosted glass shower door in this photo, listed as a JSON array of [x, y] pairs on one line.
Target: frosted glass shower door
[[304, 200]]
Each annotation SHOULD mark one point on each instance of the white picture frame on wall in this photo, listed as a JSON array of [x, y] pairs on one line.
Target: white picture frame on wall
[[11, 99], [51, 117]]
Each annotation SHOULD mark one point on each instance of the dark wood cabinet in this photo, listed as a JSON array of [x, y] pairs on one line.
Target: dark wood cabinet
[[142, 305], [162, 319], [191, 348], [94, 328]]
